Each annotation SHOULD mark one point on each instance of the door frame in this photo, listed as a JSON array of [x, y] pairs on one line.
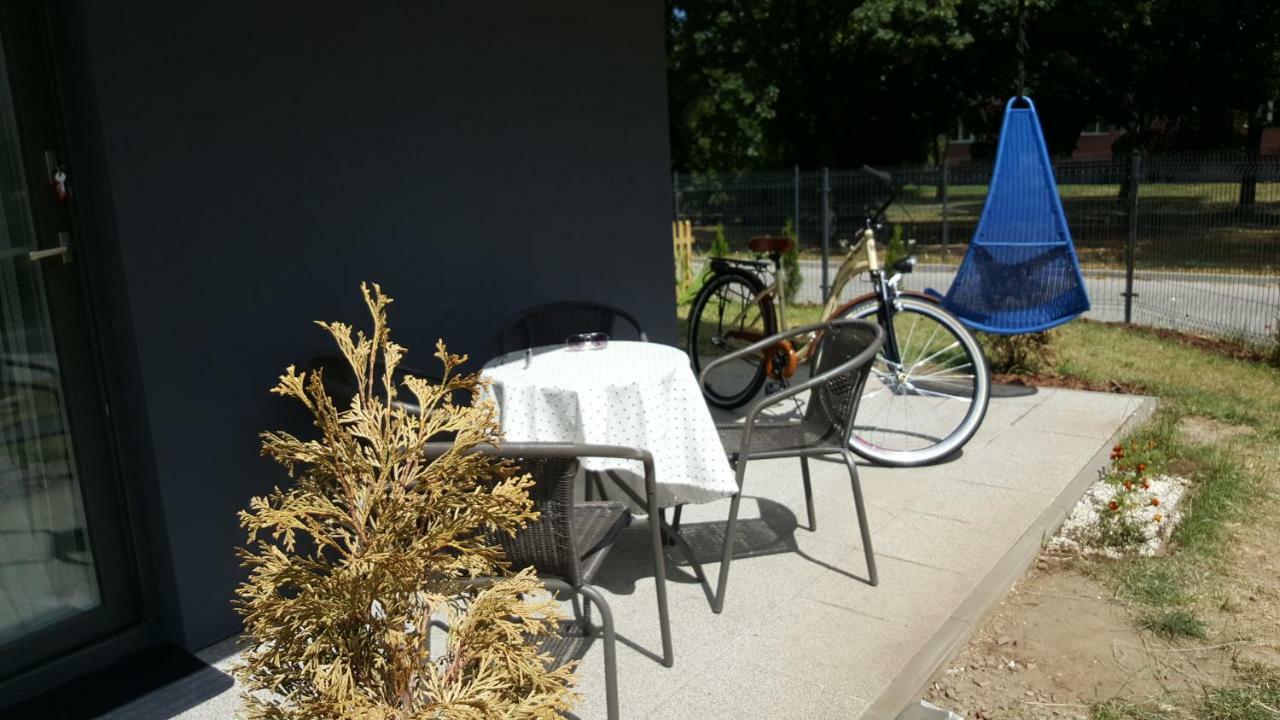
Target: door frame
[[109, 347]]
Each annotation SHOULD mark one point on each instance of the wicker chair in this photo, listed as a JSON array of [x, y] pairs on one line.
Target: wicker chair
[[550, 324], [838, 371], [568, 542]]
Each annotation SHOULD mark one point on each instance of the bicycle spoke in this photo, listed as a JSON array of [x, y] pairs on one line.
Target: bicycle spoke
[[952, 346], [946, 371], [910, 408], [932, 394]]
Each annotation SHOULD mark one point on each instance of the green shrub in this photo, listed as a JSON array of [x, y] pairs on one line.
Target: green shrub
[[1029, 354], [791, 263], [719, 244]]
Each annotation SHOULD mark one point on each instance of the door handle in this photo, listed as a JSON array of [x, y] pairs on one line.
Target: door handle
[[63, 250]]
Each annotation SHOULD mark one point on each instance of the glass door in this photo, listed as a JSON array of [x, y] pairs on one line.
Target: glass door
[[65, 576]]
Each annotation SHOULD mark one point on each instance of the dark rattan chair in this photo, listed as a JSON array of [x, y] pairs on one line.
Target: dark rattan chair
[[838, 371], [568, 542], [340, 380], [550, 324]]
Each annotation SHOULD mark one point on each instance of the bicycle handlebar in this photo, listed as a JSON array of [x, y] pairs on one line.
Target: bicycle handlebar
[[887, 180], [880, 175]]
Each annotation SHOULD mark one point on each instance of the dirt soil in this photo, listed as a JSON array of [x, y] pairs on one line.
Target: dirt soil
[[1209, 431], [1070, 383], [1210, 343], [1061, 642]]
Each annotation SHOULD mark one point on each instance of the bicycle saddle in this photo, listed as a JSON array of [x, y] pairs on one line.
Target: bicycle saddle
[[768, 244], [905, 265]]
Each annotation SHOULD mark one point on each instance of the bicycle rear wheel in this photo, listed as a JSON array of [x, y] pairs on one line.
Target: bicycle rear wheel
[[926, 407], [728, 314]]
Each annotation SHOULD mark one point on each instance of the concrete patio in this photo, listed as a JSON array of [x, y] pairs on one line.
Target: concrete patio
[[802, 634]]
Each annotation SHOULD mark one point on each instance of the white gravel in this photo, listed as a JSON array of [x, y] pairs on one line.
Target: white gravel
[[1080, 530]]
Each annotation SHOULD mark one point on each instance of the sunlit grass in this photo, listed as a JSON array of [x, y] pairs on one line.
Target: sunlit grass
[[1174, 623]]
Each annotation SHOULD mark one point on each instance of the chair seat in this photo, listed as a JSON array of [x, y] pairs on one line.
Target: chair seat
[[778, 440], [595, 525]]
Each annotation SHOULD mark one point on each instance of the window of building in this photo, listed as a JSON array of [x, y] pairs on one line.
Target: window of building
[[961, 135]]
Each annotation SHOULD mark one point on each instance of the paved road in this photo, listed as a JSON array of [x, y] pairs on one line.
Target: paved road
[[1229, 304]]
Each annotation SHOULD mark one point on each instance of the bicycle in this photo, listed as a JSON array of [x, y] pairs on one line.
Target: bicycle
[[929, 385]]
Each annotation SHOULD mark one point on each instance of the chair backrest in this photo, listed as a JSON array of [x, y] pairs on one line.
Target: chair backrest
[[340, 380], [834, 403], [547, 543], [550, 324]]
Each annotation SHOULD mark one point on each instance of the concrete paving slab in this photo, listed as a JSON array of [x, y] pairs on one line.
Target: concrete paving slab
[[723, 691], [802, 633]]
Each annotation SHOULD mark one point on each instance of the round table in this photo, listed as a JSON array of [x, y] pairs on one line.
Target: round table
[[635, 394]]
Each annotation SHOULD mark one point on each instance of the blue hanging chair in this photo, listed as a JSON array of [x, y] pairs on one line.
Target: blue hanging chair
[[1020, 274]]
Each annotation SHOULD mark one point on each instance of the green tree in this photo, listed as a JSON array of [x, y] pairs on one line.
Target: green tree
[[767, 83]]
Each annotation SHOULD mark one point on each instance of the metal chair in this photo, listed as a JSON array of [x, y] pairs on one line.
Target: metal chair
[[838, 371], [568, 542], [551, 323]]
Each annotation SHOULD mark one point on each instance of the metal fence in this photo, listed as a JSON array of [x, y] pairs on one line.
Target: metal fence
[[1187, 241]]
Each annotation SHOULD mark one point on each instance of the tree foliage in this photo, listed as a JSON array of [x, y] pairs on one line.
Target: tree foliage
[[371, 542], [767, 83]]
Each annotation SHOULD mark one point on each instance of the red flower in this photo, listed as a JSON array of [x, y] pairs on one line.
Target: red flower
[[1142, 467], [1155, 501], [1128, 485], [1146, 484], [1113, 505]]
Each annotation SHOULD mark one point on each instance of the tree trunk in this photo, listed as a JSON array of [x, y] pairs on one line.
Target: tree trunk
[[1252, 151]]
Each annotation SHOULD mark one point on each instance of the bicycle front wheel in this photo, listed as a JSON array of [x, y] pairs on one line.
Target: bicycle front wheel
[[926, 404], [728, 314]]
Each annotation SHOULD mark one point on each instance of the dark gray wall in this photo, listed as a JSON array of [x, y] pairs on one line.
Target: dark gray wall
[[260, 159]]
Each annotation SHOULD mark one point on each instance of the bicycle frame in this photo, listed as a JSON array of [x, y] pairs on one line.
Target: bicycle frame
[[860, 258]]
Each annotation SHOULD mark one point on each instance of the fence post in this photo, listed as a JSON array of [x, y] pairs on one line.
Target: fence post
[[675, 193], [1135, 169], [826, 231], [946, 231], [795, 212]]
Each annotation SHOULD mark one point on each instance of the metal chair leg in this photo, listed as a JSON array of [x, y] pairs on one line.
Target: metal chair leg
[[656, 542], [592, 596], [808, 493], [860, 506], [729, 534], [584, 626]]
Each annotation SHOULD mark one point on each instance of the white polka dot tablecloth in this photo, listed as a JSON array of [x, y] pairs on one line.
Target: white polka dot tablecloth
[[636, 394]]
